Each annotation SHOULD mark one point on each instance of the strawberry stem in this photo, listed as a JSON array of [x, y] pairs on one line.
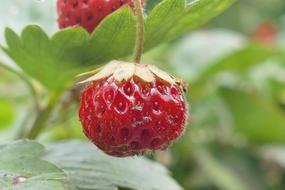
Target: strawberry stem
[[140, 31]]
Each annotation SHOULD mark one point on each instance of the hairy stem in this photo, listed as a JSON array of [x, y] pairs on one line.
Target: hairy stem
[[140, 31]]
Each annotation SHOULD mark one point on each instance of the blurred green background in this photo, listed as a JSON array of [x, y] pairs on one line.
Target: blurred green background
[[235, 68]]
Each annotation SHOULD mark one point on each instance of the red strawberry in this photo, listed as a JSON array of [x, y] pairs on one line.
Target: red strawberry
[[130, 109], [87, 13], [266, 33]]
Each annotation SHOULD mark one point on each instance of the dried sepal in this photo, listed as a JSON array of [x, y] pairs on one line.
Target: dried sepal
[[125, 70], [143, 72], [106, 71], [161, 74]]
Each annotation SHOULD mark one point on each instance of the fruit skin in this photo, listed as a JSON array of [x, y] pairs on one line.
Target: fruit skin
[[87, 13], [132, 117]]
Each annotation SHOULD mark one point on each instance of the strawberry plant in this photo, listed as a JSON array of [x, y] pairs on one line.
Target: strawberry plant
[[127, 106]]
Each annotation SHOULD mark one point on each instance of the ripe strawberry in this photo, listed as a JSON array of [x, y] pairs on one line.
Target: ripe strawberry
[[87, 13], [266, 33], [130, 109]]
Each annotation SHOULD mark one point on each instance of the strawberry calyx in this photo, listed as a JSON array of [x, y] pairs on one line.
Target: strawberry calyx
[[123, 71]]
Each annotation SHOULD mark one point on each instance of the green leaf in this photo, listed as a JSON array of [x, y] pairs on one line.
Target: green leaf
[[21, 168], [12, 40], [89, 168], [198, 13], [173, 18], [7, 113], [160, 20], [113, 39], [25, 79], [257, 118], [55, 61], [150, 4], [238, 62]]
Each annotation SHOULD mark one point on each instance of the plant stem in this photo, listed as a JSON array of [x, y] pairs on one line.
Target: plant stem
[[42, 119], [140, 31]]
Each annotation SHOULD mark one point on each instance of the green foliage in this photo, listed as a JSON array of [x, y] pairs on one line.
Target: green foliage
[[89, 168], [22, 169], [264, 116], [6, 114], [231, 169], [173, 18], [150, 4], [47, 60], [241, 60], [55, 61], [86, 168]]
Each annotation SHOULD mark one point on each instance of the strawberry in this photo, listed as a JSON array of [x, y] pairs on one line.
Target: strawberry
[[130, 109], [87, 13], [266, 33]]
